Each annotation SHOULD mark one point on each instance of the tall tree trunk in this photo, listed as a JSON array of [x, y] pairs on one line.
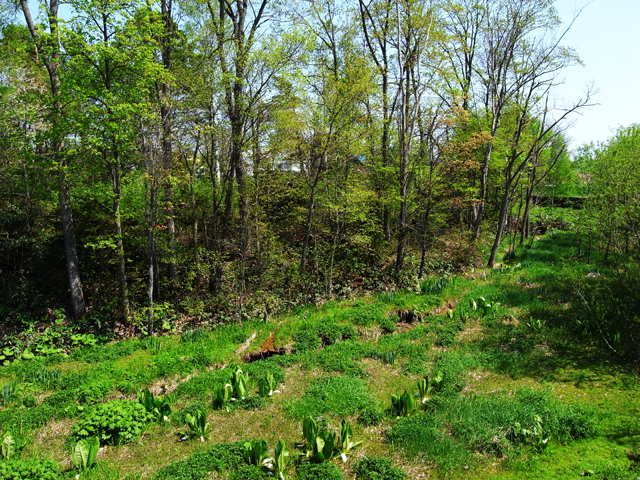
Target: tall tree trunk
[[50, 54], [122, 271], [167, 137], [73, 268]]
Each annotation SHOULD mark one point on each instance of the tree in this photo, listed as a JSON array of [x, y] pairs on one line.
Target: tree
[[111, 70], [47, 43]]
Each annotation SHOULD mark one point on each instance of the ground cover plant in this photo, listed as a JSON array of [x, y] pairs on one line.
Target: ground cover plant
[[504, 374]]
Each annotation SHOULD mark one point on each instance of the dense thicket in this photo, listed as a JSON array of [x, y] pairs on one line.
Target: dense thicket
[[227, 158]]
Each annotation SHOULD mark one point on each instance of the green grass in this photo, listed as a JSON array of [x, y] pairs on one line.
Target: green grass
[[338, 395]]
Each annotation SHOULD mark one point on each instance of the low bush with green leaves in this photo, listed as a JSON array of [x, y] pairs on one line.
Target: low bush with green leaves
[[423, 436], [312, 336], [366, 315], [29, 469], [318, 471], [115, 423], [378, 468]]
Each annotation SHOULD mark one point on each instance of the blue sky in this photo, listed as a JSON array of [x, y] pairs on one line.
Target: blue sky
[[606, 36]]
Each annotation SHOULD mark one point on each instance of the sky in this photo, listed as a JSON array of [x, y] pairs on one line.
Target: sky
[[606, 37]]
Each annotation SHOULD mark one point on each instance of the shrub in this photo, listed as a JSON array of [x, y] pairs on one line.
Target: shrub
[[378, 468], [319, 471], [114, 423], [366, 315], [311, 336], [29, 469], [388, 325]]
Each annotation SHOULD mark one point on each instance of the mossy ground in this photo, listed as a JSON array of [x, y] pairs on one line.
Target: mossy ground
[[530, 340]]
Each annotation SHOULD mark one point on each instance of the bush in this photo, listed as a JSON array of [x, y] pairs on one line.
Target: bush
[[319, 471], [311, 336], [366, 315], [114, 423], [378, 468], [102, 353], [388, 325], [64, 397], [29, 469]]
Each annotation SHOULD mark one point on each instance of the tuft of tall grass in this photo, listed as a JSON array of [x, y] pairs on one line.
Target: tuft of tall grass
[[339, 395]]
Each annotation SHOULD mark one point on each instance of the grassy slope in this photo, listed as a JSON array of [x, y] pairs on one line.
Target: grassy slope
[[496, 355]]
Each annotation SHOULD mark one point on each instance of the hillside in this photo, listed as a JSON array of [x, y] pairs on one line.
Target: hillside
[[523, 382]]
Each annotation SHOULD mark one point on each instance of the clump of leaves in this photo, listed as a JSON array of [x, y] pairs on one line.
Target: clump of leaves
[[378, 468], [7, 446], [157, 407], [322, 444], [198, 425], [257, 453], [44, 377], [236, 390], [193, 336], [153, 345], [281, 460], [402, 405], [114, 423], [430, 385], [85, 452], [29, 469], [179, 418], [8, 390], [435, 286]]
